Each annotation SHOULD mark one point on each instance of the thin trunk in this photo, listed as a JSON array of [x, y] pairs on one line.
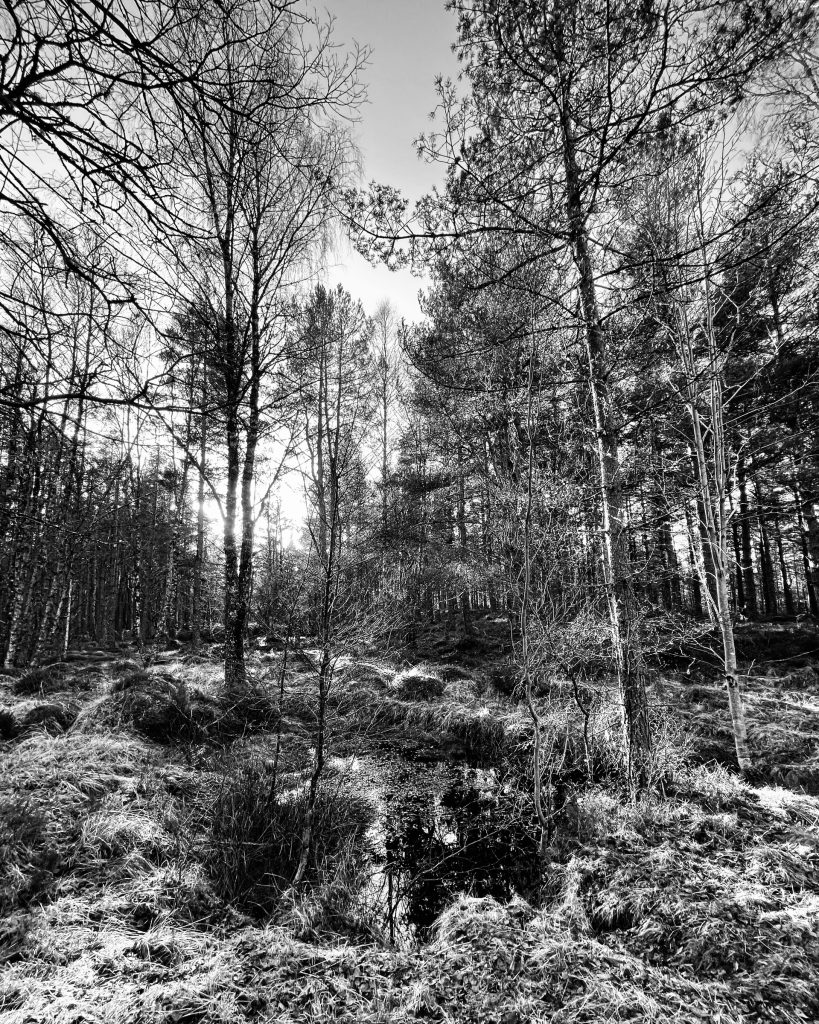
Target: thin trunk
[[328, 491], [543, 817], [67, 630], [466, 611], [812, 543], [787, 592], [765, 557], [738, 582], [749, 583], [713, 500], [810, 583], [635, 724], [696, 585], [708, 569], [196, 612]]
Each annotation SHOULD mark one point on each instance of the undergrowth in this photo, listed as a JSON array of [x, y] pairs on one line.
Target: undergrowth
[[255, 827], [147, 845]]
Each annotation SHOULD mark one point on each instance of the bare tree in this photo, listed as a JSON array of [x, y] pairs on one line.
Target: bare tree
[[255, 159], [687, 210]]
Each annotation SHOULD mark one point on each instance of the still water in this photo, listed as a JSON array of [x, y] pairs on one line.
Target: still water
[[442, 828]]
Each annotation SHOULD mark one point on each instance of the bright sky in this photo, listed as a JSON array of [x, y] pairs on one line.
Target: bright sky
[[411, 43]]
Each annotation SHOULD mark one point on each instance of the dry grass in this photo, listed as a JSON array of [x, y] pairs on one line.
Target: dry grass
[[41, 681], [528, 963], [53, 716], [783, 723], [720, 886], [697, 905], [49, 788], [254, 826], [418, 683]]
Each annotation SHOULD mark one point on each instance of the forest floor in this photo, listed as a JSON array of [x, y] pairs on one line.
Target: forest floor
[[148, 829]]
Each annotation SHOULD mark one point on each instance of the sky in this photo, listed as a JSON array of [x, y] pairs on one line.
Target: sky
[[411, 44]]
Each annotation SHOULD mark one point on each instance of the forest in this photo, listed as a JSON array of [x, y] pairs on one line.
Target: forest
[[360, 668]]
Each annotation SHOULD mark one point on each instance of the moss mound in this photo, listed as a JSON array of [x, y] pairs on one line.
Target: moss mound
[[417, 683], [51, 716], [41, 681], [154, 705]]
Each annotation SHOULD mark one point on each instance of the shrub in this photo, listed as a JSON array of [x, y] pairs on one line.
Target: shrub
[[575, 751], [256, 830], [248, 711], [336, 902], [671, 747]]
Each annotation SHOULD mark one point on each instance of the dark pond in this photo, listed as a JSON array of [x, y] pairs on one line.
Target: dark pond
[[446, 829]]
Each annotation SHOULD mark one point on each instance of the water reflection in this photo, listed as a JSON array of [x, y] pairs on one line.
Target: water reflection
[[457, 830]]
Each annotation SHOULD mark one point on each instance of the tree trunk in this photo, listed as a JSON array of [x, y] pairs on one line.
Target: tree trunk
[[235, 611], [696, 583], [708, 573], [631, 685], [713, 499], [196, 611], [740, 586], [765, 558], [751, 609], [810, 540], [787, 592], [466, 611]]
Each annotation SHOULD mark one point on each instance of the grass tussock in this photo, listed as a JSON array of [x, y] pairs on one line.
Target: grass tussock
[[417, 683], [53, 716], [717, 886], [255, 833], [41, 681], [475, 731], [154, 705], [49, 787], [166, 708], [364, 674], [115, 831], [528, 962], [480, 735]]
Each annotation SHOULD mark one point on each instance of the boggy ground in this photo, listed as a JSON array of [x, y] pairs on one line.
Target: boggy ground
[[148, 831]]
